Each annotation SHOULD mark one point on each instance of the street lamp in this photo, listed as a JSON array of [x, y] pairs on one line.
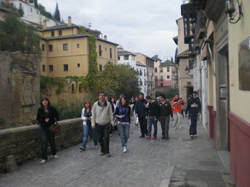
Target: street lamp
[[187, 70], [230, 9]]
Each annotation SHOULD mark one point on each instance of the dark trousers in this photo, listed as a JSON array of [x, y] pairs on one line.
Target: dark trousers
[[143, 126], [164, 120], [46, 136], [193, 124], [102, 132]]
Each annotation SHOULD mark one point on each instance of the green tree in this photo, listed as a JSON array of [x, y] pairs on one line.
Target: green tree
[[16, 36], [44, 12], [57, 13], [35, 3], [9, 6]]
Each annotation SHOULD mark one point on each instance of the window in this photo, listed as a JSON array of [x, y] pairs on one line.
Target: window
[[37, 12], [161, 70], [73, 88], [65, 47], [30, 9], [100, 50], [161, 78], [133, 57], [105, 48], [100, 68], [43, 68], [78, 45], [78, 65], [156, 78], [155, 69], [110, 50], [60, 33], [65, 67], [50, 47], [30, 1], [52, 33], [167, 69], [50, 68], [145, 73], [118, 58], [145, 82], [20, 6], [168, 77], [42, 47], [126, 57], [161, 84]]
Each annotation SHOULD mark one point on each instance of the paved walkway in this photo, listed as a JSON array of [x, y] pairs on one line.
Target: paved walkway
[[148, 163]]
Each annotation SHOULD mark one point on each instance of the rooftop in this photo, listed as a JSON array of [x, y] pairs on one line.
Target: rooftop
[[140, 64], [167, 63], [122, 53], [156, 58]]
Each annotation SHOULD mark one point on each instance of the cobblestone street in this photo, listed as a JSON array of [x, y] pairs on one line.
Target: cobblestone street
[[147, 163]]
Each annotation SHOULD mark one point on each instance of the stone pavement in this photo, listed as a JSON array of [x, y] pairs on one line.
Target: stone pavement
[[148, 163]]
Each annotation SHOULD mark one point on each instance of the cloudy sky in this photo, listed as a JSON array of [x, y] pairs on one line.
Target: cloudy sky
[[145, 26]]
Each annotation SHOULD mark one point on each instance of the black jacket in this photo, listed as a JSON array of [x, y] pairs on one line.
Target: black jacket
[[140, 108], [41, 117], [165, 109], [153, 109], [194, 106]]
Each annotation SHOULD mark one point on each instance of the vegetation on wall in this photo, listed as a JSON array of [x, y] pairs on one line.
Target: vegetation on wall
[[57, 82], [44, 12], [17, 36], [9, 6]]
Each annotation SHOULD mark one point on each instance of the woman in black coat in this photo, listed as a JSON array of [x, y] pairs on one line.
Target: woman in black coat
[[46, 115]]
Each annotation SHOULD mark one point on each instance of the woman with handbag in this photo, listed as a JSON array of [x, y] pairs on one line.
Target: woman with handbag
[[86, 117], [122, 114], [46, 116]]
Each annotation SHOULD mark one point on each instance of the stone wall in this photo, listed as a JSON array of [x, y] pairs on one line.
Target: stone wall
[[25, 144], [20, 89]]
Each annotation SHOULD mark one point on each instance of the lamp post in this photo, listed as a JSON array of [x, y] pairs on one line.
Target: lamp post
[[230, 9]]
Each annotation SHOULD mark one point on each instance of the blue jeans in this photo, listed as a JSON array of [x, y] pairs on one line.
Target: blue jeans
[[86, 129], [124, 133], [46, 136], [193, 124], [151, 120]]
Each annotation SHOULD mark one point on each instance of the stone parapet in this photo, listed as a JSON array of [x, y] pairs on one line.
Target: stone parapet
[[25, 144]]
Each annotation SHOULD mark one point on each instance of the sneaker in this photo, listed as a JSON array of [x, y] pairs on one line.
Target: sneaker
[[167, 138], [142, 136], [195, 136], [102, 153], [136, 124], [180, 127], [82, 148], [108, 155], [154, 138], [125, 149], [163, 137], [95, 147], [55, 156], [43, 161], [191, 136], [148, 137]]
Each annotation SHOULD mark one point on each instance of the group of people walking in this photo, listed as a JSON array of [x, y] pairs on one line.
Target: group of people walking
[[106, 114]]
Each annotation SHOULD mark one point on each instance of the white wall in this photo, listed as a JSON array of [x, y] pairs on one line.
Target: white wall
[[143, 78]]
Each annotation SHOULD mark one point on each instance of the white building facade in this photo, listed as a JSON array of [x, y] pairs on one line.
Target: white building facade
[[142, 77], [127, 59]]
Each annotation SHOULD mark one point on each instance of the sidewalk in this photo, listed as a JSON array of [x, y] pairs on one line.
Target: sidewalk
[[196, 163]]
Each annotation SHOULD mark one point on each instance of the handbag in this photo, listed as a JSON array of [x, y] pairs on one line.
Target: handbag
[[55, 127]]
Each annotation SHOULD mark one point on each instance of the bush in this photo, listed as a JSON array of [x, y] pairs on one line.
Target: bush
[[71, 108]]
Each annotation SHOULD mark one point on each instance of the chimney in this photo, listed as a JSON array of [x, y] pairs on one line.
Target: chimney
[[105, 37], [69, 21], [44, 24]]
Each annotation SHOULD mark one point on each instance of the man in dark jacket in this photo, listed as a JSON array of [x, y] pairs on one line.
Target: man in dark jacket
[[153, 114], [194, 108], [141, 112], [165, 113]]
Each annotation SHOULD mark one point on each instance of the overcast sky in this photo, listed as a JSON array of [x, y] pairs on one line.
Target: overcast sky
[[145, 26]]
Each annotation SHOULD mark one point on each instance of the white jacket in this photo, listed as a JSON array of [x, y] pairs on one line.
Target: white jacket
[[83, 117]]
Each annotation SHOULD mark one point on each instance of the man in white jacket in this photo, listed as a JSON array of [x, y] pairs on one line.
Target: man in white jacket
[[102, 116]]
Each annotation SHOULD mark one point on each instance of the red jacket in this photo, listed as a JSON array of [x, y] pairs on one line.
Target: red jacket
[[176, 105]]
